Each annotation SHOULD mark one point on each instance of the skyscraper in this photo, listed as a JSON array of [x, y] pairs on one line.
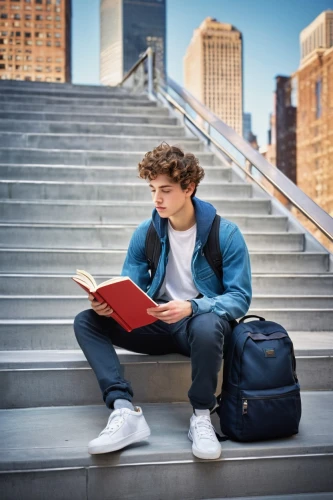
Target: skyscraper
[[247, 125], [315, 111], [213, 69], [128, 27], [35, 40], [285, 122]]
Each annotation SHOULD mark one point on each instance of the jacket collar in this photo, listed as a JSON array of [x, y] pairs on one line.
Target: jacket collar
[[204, 215]]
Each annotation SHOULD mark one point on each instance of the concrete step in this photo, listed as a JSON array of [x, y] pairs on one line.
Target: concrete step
[[57, 284], [87, 99], [20, 155], [33, 116], [268, 223], [47, 378], [35, 306], [288, 496], [25, 86], [13, 91], [85, 108], [86, 142], [74, 173], [116, 129], [77, 211], [120, 191], [52, 457], [49, 334], [118, 237], [109, 262]]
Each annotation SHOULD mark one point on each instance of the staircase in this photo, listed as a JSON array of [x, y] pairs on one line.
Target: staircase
[[70, 198]]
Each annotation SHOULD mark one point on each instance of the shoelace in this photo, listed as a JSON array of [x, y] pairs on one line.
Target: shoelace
[[115, 421], [204, 427]]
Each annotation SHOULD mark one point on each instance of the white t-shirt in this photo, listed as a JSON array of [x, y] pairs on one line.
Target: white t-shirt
[[178, 282]]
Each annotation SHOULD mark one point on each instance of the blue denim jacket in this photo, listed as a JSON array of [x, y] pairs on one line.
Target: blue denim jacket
[[229, 298]]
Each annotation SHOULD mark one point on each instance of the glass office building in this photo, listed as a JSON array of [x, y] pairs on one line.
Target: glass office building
[[128, 27]]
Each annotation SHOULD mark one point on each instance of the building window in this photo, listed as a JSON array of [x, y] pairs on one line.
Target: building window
[[39, 17], [39, 69], [39, 42], [2, 66], [17, 16], [57, 35], [58, 44], [39, 2], [4, 16], [27, 35], [318, 98], [49, 44]]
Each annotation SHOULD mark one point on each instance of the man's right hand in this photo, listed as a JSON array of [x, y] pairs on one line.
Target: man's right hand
[[100, 308]]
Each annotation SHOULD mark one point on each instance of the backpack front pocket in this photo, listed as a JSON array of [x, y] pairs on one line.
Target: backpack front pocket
[[265, 414]]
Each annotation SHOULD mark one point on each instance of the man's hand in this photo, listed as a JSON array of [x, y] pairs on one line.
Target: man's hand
[[100, 308], [172, 311]]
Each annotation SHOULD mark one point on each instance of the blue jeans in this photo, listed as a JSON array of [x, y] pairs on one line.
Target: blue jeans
[[200, 338]]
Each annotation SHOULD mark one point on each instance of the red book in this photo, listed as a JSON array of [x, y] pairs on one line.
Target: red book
[[128, 301]]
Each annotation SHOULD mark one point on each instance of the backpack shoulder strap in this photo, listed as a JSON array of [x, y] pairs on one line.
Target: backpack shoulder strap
[[152, 249], [212, 248]]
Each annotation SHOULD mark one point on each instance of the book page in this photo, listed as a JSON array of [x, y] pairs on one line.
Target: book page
[[87, 278], [113, 280]]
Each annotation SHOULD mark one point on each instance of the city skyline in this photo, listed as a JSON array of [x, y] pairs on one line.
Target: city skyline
[[271, 31]]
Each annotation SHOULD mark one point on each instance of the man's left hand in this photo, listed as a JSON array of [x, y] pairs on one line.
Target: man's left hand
[[172, 311]]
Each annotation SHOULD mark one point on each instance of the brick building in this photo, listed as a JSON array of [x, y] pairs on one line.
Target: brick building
[[315, 112], [35, 40]]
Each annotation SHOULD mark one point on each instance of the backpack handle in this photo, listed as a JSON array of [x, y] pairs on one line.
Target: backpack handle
[[251, 316]]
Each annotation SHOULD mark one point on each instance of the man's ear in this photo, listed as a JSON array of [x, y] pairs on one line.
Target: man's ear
[[190, 188]]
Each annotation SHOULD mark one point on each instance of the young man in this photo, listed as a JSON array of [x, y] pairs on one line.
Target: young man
[[195, 313]]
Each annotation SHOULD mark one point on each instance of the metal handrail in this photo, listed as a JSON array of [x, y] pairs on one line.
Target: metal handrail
[[293, 193], [147, 55]]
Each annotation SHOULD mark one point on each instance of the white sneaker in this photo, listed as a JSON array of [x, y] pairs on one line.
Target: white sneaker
[[202, 434], [124, 427]]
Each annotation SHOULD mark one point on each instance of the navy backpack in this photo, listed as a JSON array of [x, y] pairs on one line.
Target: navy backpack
[[260, 396]]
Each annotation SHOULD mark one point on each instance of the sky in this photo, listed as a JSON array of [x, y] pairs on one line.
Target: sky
[[270, 31]]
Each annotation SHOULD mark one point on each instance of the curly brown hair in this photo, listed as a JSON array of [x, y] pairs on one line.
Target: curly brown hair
[[171, 161]]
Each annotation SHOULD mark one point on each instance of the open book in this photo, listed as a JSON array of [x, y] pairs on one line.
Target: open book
[[128, 301]]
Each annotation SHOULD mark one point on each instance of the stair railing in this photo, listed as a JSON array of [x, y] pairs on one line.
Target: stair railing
[[235, 150]]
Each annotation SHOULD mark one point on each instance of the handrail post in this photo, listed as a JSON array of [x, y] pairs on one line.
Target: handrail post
[[150, 71]]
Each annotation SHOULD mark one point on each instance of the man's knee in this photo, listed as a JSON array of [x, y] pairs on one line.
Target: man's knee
[[207, 329]]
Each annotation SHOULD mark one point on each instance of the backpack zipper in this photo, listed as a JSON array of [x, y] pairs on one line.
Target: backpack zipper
[[245, 403]]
